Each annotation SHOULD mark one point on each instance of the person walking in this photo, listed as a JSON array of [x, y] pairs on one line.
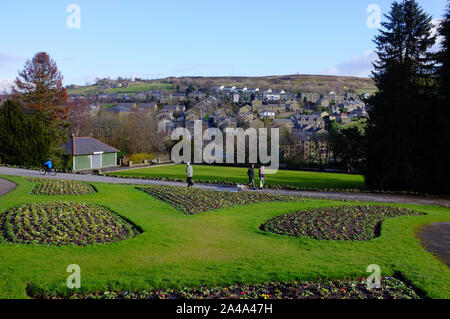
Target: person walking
[[262, 177], [251, 176], [189, 174]]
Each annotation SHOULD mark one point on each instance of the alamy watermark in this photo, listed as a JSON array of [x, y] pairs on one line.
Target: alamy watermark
[[374, 19], [74, 19], [74, 280], [374, 280], [216, 152]]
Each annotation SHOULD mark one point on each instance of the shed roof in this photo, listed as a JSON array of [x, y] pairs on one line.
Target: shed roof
[[88, 146]]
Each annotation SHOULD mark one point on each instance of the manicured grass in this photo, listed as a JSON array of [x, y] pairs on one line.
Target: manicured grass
[[300, 179], [218, 248]]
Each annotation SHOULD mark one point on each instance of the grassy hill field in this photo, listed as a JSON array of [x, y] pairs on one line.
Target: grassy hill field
[[294, 83], [130, 89]]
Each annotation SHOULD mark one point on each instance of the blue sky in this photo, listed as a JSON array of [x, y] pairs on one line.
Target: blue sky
[[198, 37]]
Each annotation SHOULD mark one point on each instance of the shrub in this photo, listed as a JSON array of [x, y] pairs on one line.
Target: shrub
[[139, 158]]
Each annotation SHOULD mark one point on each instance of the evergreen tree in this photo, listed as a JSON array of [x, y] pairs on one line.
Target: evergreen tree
[[13, 133], [27, 138], [442, 157], [401, 122]]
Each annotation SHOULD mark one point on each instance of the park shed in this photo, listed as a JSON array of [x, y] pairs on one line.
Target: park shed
[[89, 153]]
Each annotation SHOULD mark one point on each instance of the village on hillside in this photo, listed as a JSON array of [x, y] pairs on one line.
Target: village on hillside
[[301, 117]]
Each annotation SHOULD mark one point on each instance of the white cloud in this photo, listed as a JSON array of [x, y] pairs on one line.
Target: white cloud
[[5, 85], [6, 59], [360, 66]]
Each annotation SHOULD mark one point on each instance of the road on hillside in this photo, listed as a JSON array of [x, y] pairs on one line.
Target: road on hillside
[[363, 197]]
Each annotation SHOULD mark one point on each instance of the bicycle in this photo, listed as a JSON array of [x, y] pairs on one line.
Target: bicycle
[[45, 170]]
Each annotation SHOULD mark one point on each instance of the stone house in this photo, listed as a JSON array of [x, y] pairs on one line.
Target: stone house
[[149, 106], [173, 108], [292, 106], [245, 109]]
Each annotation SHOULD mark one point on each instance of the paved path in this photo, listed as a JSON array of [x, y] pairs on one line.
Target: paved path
[[122, 169], [436, 239], [365, 197], [6, 186]]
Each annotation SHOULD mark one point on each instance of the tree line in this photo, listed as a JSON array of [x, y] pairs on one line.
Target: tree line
[[408, 131]]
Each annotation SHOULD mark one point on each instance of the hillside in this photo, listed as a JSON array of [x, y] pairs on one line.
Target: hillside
[[294, 83], [130, 89]]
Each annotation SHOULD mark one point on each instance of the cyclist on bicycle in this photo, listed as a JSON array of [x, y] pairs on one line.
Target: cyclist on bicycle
[[48, 165]]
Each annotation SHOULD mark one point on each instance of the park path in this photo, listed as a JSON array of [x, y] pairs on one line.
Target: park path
[[436, 239], [6, 186], [363, 197]]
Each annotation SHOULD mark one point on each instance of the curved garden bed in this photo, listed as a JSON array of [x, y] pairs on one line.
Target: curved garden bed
[[335, 223], [62, 223], [60, 187], [391, 288], [193, 200]]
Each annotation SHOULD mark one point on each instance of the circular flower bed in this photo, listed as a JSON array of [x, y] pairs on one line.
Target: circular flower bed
[[193, 200], [61, 187], [62, 223], [391, 288], [335, 223]]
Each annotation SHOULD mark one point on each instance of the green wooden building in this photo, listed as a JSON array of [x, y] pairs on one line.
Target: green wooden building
[[89, 153]]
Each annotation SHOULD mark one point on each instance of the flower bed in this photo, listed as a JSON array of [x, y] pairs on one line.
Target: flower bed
[[391, 288], [335, 223], [193, 200], [60, 187], [62, 223]]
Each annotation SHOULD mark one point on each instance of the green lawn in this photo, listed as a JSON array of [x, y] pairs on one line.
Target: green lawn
[[304, 180], [132, 88], [216, 248], [139, 87]]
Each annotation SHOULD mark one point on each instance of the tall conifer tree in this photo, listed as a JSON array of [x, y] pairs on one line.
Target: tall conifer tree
[[398, 149]]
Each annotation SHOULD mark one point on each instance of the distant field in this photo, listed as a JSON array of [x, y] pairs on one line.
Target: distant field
[[304, 180], [293, 83], [130, 89]]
